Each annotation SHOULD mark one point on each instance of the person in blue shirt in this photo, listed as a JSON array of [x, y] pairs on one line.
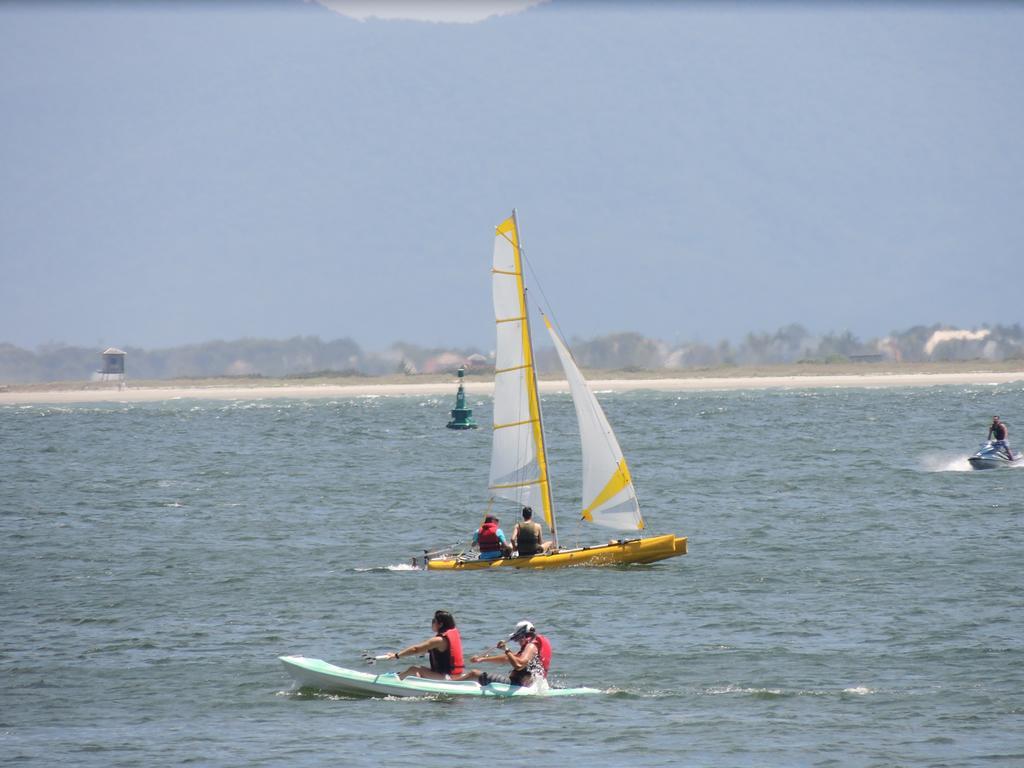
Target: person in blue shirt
[[490, 540]]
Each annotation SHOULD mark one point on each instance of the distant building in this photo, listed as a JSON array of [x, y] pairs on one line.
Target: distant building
[[112, 368], [941, 337], [890, 348], [446, 361]]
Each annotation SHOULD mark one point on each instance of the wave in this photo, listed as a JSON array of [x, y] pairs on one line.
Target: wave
[[945, 462], [782, 693], [386, 568]]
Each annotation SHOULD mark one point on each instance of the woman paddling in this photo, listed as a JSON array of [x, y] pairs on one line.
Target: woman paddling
[[531, 663], [445, 649]]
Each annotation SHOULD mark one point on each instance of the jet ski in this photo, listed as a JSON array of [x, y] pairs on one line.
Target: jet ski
[[992, 456]]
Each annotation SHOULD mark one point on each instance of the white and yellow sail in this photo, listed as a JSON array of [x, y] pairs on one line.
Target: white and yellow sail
[[609, 498], [519, 467]]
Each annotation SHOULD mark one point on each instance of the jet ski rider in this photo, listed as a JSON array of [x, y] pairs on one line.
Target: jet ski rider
[[997, 434], [445, 649]]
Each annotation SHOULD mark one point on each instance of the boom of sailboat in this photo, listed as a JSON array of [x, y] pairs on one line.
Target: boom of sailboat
[[519, 463]]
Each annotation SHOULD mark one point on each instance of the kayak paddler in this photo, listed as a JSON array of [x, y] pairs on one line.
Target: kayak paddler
[[531, 662], [445, 649]]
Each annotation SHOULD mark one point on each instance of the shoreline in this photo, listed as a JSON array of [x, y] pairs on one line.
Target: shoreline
[[447, 386]]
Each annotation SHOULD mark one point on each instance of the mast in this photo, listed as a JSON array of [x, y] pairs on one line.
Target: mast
[[542, 450], [519, 462]]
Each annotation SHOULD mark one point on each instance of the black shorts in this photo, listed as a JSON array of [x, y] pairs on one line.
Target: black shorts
[[520, 677], [517, 677]]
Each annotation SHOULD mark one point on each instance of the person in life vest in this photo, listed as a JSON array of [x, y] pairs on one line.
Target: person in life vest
[[997, 434], [533, 661], [444, 648], [491, 541], [528, 537]]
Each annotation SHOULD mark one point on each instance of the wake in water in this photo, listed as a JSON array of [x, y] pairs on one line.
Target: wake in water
[[773, 693], [385, 568], [945, 462]]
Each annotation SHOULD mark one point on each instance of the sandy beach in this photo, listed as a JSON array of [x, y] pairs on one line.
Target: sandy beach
[[150, 392]]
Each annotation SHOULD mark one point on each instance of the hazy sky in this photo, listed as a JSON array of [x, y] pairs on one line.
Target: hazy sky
[[180, 173]]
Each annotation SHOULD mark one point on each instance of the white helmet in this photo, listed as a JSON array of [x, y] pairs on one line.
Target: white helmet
[[523, 628]]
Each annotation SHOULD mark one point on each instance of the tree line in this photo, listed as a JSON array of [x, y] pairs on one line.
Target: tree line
[[307, 356]]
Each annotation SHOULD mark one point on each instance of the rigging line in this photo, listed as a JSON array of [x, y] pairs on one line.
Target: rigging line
[[540, 287], [526, 265], [561, 336]]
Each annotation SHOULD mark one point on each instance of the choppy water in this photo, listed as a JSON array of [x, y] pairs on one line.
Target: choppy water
[[853, 594]]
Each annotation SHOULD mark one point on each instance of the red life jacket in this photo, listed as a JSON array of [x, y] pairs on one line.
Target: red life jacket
[[448, 662], [487, 538], [543, 651]]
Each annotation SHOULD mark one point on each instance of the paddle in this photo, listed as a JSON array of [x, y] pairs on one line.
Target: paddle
[[484, 652], [369, 658]]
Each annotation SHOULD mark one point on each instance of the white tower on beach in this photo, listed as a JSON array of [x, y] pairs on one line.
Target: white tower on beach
[[113, 367]]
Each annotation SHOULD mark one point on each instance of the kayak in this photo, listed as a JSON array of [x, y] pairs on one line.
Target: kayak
[[318, 674]]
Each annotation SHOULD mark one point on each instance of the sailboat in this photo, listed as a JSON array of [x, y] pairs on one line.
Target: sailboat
[[519, 463]]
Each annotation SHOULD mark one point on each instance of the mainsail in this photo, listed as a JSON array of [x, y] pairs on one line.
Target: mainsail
[[608, 495], [519, 467]]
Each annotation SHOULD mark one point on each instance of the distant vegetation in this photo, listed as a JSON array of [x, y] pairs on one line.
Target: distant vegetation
[[795, 344], [309, 357]]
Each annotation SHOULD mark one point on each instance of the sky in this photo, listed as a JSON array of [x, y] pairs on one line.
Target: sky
[[173, 173]]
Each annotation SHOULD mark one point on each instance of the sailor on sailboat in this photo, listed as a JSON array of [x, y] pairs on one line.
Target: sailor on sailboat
[[519, 465]]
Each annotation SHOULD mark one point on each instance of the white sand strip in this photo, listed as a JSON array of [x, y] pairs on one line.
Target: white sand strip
[[369, 389]]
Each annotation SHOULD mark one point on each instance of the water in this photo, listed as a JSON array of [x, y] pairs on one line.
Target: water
[[853, 594]]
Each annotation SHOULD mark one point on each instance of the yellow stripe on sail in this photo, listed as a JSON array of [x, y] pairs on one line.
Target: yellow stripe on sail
[[509, 370], [506, 227], [513, 424], [618, 481], [534, 399], [517, 485], [510, 230]]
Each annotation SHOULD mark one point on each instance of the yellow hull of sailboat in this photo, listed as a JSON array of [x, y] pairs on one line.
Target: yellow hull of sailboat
[[616, 553]]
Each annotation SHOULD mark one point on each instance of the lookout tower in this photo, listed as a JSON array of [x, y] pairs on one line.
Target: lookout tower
[[462, 417], [113, 366]]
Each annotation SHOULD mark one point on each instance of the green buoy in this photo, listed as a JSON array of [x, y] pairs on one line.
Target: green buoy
[[462, 417]]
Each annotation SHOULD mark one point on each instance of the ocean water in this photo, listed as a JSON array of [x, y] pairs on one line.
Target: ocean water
[[853, 596]]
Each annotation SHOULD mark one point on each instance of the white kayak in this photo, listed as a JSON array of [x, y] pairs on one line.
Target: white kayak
[[316, 673]]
